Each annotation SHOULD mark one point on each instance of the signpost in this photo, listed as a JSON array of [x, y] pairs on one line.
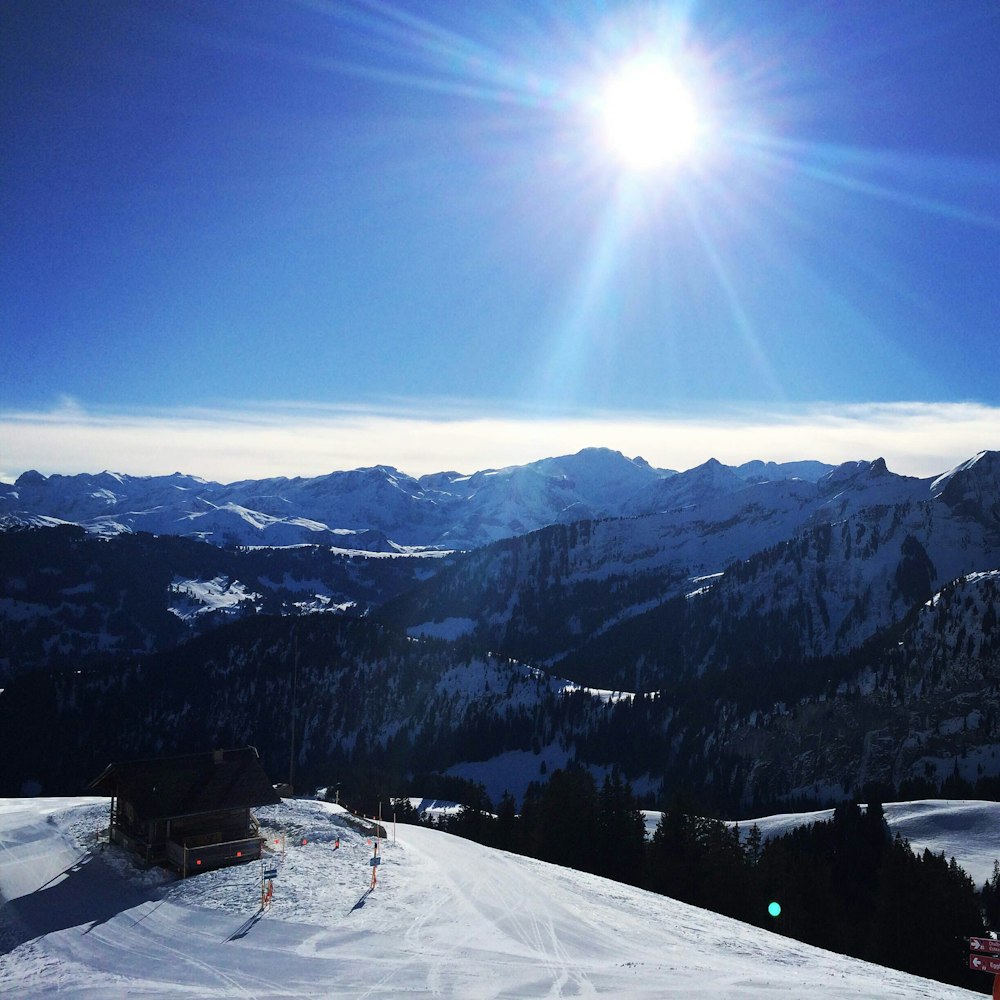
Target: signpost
[[982, 959], [267, 876], [375, 860], [980, 963]]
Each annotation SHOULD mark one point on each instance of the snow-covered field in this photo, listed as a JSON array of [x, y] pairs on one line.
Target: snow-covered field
[[448, 918], [969, 831]]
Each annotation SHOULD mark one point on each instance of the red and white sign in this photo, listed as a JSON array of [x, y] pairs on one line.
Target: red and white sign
[[980, 963], [985, 946]]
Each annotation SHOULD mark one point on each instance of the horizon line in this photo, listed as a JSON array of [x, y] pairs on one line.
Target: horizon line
[[262, 440]]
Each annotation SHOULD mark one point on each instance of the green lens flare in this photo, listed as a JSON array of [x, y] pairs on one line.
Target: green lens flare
[[774, 909]]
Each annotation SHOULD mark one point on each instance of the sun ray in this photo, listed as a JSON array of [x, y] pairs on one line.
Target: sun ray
[[429, 57], [740, 318], [846, 168], [590, 303]]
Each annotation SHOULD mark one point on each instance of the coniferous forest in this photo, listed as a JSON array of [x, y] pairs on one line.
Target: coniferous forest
[[846, 885]]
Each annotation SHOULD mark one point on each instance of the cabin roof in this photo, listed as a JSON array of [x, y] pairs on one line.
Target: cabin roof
[[167, 787]]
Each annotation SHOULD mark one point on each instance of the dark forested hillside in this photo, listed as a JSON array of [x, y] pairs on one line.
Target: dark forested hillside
[[67, 597], [921, 704], [336, 689]]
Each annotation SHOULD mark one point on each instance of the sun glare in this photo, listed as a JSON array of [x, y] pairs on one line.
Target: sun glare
[[649, 116]]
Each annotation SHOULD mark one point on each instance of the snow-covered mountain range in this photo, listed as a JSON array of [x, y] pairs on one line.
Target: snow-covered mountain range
[[786, 567], [742, 615], [379, 508]]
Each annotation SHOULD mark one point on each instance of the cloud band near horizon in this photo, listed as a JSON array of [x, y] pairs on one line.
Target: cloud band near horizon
[[255, 442]]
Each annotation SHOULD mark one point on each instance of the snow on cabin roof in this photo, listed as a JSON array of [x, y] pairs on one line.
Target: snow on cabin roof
[[162, 787]]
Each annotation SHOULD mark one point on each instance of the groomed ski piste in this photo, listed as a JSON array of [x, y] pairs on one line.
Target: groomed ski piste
[[448, 918]]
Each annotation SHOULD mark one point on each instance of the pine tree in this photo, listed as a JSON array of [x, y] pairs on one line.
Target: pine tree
[[507, 838], [674, 865], [560, 819], [621, 831], [755, 844]]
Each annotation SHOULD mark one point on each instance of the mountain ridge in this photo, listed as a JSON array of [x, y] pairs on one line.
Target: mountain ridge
[[446, 510]]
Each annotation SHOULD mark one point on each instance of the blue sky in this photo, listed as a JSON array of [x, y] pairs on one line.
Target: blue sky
[[339, 234]]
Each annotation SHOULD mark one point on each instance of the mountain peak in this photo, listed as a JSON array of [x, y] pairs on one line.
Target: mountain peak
[[713, 471], [972, 487], [30, 478]]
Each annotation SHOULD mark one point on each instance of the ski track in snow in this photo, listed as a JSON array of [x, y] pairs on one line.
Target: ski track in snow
[[449, 918]]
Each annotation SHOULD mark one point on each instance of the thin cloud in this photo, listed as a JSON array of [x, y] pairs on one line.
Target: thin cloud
[[229, 444]]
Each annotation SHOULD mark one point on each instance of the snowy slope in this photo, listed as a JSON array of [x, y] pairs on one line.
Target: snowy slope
[[449, 918], [968, 831]]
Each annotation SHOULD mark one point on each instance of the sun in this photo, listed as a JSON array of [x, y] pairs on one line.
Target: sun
[[649, 116]]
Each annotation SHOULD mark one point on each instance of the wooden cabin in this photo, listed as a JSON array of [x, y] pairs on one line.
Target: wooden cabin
[[192, 813]]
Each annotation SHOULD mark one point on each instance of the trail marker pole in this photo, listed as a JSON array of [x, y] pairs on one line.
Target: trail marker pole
[[375, 861], [267, 877], [294, 706]]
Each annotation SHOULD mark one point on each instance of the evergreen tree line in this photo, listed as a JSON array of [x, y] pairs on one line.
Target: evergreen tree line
[[846, 884]]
